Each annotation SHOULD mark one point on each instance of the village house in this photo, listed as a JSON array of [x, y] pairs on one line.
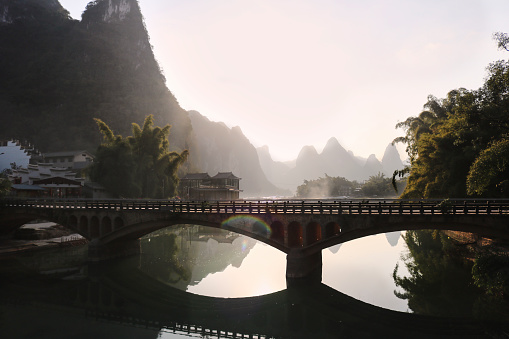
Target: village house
[[44, 179], [75, 160], [201, 186]]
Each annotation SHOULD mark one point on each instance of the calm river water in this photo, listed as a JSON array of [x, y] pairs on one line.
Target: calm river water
[[193, 281]]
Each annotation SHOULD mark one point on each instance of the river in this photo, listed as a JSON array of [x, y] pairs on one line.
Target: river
[[194, 281]]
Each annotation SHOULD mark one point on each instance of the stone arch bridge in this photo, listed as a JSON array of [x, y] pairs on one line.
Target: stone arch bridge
[[302, 228]]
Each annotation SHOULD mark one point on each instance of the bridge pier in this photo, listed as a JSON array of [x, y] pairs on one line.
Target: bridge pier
[[303, 268], [98, 251]]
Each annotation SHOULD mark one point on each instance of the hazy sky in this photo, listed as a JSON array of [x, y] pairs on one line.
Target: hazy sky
[[297, 72]]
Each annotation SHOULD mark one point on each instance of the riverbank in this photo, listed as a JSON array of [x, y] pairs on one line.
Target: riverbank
[[40, 235]]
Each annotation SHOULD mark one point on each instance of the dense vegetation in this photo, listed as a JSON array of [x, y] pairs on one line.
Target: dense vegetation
[[5, 185], [139, 166], [57, 74], [459, 145]]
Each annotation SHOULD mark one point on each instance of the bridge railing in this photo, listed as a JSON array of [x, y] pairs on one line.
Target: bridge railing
[[333, 207]]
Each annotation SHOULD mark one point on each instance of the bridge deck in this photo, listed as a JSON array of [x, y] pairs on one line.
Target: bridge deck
[[384, 207]]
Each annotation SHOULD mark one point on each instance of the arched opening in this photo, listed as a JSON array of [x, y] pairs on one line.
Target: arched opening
[[294, 234], [118, 223], [73, 222], [83, 228], [278, 232], [94, 227], [331, 229], [313, 233], [106, 226]]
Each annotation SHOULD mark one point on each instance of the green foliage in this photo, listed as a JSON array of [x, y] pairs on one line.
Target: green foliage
[[491, 273], [140, 165], [489, 174], [377, 186], [460, 136], [5, 185], [325, 187]]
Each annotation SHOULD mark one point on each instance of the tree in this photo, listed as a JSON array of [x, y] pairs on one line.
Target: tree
[[5, 185], [502, 39], [489, 174], [140, 165], [325, 187], [451, 139], [377, 186]]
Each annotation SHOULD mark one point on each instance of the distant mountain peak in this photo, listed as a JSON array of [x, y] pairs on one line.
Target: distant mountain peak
[[111, 10], [334, 148], [307, 151]]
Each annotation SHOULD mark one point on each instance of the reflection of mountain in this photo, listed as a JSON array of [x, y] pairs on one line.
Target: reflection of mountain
[[212, 256], [183, 256], [393, 238], [335, 249]]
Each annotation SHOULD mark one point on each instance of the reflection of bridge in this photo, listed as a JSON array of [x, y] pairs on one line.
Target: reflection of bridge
[[299, 228], [123, 295]]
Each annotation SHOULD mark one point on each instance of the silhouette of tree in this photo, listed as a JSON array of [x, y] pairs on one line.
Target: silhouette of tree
[[140, 165]]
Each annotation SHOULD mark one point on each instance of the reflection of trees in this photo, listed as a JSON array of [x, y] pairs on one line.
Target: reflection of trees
[[440, 280], [159, 259], [491, 273], [184, 255]]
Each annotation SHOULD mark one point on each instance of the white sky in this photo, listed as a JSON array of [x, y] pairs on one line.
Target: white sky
[[297, 72]]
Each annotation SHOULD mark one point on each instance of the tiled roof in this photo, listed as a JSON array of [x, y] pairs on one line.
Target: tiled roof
[[63, 154], [196, 176], [225, 175]]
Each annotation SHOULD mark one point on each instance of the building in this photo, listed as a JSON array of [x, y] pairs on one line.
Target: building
[[75, 160], [46, 180], [201, 186]]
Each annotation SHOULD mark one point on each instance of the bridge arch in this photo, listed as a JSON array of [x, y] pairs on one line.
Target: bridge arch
[[73, 222], [295, 238], [278, 231], [331, 229], [498, 227], [313, 232], [94, 227], [83, 226], [106, 226], [118, 223]]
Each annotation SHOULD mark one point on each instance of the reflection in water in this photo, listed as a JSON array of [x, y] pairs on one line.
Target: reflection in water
[[362, 269], [393, 238], [452, 277], [206, 261], [134, 297]]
